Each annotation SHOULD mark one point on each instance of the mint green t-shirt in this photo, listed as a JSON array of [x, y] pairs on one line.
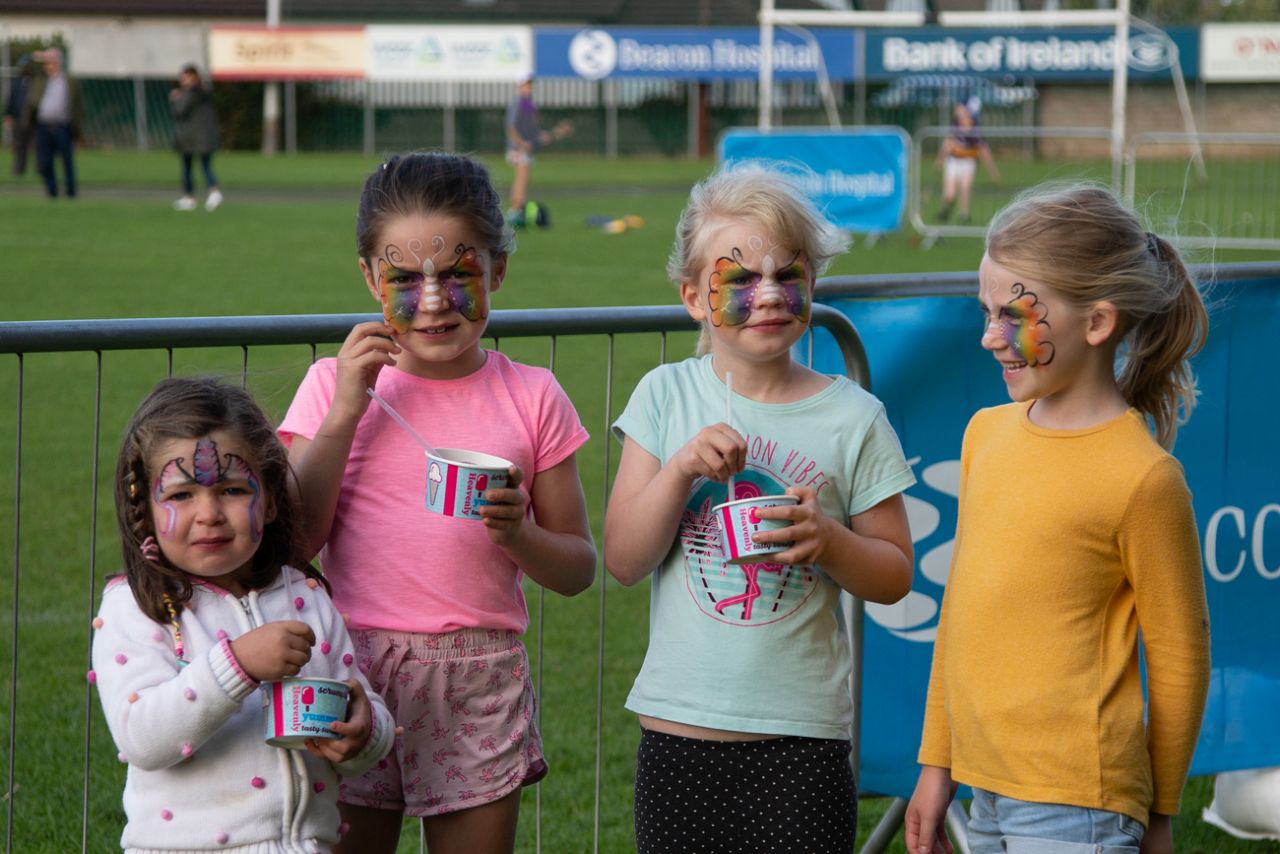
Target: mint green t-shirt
[[760, 647]]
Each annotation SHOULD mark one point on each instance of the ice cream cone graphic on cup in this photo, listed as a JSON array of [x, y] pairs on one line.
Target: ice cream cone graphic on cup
[[434, 479]]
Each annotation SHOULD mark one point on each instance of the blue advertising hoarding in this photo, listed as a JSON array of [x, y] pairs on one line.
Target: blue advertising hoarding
[[689, 53], [857, 177], [932, 379], [1038, 54]]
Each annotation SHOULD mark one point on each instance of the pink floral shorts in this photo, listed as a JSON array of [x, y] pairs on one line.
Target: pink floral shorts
[[468, 710]]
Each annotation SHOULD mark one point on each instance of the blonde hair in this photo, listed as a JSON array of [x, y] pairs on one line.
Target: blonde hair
[[1089, 247], [759, 193]]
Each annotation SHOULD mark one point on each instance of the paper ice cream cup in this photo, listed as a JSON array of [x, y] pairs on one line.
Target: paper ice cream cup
[[737, 521], [301, 708], [457, 479]]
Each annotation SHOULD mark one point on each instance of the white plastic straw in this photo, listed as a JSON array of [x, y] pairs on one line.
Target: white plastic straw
[[728, 416], [400, 420]]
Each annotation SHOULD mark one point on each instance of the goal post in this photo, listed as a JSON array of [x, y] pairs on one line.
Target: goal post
[[1117, 17]]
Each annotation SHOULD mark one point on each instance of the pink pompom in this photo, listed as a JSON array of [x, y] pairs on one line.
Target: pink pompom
[[133, 698], [324, 647], [222, 635], [189, 693], [318, 786], [343, 828], [258, 783], [187, 750], [347, 659], [122, 758], [92, 677], [312, 583], [97, 622], [121, 658], [222, 838], [166, 815], [157, 635], [298, 603]]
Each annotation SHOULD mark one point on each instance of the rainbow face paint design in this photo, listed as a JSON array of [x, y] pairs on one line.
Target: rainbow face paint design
[[734, 286], [1024, 326], [409, 282], [207, 470]]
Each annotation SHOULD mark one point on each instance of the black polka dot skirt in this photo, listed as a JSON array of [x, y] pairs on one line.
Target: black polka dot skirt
[[695, 796]]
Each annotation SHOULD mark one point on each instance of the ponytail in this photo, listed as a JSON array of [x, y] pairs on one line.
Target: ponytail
[[1156, 378]]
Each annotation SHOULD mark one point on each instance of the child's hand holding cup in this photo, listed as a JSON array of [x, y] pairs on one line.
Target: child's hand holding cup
[[792, 527], [350, 735]]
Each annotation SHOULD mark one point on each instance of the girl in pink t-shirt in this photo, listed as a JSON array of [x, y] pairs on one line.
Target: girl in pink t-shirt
[[435, 601]]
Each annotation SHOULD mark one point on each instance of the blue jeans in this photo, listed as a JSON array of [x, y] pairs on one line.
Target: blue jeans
[[206, 163], [998, 824]]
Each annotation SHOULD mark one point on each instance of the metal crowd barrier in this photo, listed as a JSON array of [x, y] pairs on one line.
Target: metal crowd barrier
[[1025, 156], [1206, 191], [21, 339]]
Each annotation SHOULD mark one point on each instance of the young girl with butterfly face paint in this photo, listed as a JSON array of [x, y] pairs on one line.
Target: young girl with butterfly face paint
[[208, 608], [1075, 533], [743, 696], [435, 601]]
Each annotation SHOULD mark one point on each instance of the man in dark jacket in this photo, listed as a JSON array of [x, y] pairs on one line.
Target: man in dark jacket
[[55, 109]]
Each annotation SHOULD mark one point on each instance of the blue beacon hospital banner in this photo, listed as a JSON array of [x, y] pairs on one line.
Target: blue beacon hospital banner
[[1039, 54], [932, 379], [688, 53], [857, 177]]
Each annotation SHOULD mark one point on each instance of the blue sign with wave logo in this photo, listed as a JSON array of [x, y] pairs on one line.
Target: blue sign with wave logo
[[857, 177], [690, 53]]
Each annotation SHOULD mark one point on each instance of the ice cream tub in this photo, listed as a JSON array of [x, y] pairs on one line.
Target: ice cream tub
[[738, 520], [457, 480], [301, 708]]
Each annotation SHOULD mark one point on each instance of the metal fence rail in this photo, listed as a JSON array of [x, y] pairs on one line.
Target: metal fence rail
[[170, 335]]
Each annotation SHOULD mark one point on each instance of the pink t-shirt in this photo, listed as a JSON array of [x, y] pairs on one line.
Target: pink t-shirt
[[393, 563]]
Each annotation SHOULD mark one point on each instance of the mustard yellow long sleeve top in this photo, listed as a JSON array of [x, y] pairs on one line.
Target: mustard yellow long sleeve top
[[1070, 542]]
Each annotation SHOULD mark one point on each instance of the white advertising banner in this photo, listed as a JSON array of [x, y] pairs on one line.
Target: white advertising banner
[[286, 53], [449, 53], [132, 49], [1240, 52]]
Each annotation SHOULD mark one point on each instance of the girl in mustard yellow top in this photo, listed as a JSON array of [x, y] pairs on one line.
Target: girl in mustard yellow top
[[1075, 533]]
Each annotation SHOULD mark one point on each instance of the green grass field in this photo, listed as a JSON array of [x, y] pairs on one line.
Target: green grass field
[[283, 244]]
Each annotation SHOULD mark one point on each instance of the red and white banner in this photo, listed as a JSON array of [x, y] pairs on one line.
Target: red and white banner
[[1240, 52]]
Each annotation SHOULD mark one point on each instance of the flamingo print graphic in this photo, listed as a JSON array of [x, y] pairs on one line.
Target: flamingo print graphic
[[748, 594], [752, 593]]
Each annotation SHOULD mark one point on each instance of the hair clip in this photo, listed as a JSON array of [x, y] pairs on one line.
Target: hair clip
[[133, 487], [150, 549], [1153, 244]]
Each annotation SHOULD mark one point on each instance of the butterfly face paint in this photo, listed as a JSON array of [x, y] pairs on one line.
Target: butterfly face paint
[[738, 281], [1024, 325], [412, 281]]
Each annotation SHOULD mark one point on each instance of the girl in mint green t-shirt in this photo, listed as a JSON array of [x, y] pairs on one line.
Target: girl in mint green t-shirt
[[743, 696]]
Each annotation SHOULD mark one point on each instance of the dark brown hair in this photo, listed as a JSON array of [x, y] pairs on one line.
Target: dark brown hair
[[431, 182], [191, 408]]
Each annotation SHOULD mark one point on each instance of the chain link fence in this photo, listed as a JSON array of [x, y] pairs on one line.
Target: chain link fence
[[610, 118]]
